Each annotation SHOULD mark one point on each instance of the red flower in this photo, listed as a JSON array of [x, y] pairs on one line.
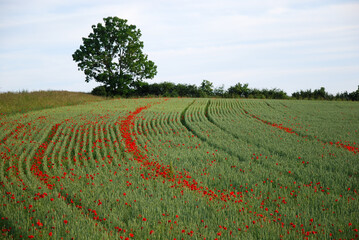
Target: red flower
[[31, 236], [50, 234], [65, 221], [144, 219], [151, 232]]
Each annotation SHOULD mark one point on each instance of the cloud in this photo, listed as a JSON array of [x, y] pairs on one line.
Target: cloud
[[222, 41]]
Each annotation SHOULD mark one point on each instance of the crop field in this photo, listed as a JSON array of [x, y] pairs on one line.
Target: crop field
[[181, 168]]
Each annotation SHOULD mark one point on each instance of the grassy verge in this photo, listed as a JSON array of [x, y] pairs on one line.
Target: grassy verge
[[15, 102]]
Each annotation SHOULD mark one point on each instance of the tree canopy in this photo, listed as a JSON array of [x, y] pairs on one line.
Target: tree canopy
[[206, 88], [112, 55]]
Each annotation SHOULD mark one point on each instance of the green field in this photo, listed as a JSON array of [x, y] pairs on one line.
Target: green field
[[181, 168], [24, 101]]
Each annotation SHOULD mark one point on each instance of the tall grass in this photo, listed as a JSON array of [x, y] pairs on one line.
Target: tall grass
[[24, 101]]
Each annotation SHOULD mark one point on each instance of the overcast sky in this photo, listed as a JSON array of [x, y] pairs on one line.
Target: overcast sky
[[291, 45]]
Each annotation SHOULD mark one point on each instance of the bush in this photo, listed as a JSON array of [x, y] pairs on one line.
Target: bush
[[99, 91]]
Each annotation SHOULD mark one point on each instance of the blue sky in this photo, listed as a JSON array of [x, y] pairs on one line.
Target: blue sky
[[291, 45]]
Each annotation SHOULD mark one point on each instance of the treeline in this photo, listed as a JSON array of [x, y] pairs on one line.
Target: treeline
[[321, 94], [206, 89]]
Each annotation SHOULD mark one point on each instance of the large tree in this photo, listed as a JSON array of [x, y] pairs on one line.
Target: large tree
[[112, 55]]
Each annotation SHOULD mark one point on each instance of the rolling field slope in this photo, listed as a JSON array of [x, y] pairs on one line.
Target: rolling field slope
[[22, 102], [181, 169]]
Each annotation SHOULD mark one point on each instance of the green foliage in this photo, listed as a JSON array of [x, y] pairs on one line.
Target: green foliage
[[112, 55], [219, 91], [239, 90], [321, 94], [99, 91], [355, 95], [206, 88]]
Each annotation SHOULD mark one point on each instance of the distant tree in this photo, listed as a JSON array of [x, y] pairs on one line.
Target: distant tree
[[142, 89], [206, 88], [219, 91], [346, 96], [254, 93], [276, 93], [307, 94], [154, 89], [296, 95], [192, 90], [181, 89], [239, 90], [168, 89], [112, 55], [185, 90], [354, 96], [99, 91], [320, 93]]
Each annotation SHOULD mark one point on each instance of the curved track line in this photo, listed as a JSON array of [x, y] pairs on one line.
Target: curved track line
[[184, 123], [210, 119], [179, 179], [355, 150]]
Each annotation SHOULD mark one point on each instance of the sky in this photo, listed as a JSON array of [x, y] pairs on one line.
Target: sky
[[286, 44]]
